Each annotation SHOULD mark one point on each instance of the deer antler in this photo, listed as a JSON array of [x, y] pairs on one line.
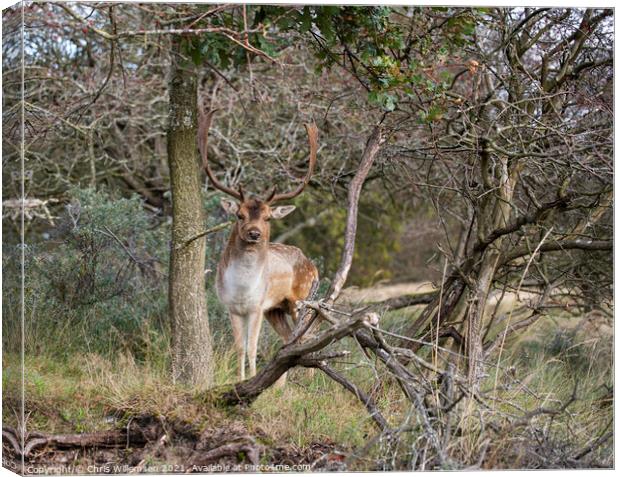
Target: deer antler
[[204, 123], [313, 140]]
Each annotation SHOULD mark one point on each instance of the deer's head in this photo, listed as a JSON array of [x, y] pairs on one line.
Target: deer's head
[[254, 213]]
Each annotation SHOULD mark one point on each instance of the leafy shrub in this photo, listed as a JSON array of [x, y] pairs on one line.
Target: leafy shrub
[[98, 284]]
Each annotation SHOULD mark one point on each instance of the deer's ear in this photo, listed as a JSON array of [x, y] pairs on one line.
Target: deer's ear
[[229, 206], [282, 211]]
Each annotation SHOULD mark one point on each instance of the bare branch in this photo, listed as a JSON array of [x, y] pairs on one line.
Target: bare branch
[[368, 157]]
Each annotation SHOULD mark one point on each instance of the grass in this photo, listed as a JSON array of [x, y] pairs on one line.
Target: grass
[[88, 393], [311, 410], [83, 392]]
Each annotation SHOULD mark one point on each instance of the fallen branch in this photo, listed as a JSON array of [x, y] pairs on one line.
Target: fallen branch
[[251, 450], [113, 438]]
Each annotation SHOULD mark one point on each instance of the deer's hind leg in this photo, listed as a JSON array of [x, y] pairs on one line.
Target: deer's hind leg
[[278, 320], [294, 312]]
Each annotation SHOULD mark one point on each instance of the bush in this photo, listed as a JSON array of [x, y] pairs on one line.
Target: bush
[[98, 284]]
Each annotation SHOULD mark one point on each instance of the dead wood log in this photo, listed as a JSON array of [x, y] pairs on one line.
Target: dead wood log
[[111, 438], [251, 450], [9, 435]]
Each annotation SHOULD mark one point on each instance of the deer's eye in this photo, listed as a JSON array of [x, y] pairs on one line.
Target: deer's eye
[[240, 216]]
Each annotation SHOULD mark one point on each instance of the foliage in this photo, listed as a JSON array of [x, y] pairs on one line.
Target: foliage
[[99, 279], [392, 49]]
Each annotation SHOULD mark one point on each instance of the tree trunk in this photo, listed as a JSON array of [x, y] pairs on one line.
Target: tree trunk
[[192, 354], [495, 213]]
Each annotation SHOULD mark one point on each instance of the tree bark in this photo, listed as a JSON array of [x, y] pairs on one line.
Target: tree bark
[[495, 215], [192, 354]]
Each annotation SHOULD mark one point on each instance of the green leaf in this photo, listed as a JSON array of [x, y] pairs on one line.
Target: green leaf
[[324, 22], [383, 99], [389, 103]]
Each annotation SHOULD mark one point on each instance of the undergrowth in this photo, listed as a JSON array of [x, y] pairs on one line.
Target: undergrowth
[[87, 392], [98, 348]]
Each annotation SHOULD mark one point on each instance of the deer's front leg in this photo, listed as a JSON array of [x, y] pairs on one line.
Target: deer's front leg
[[240, 336], [254, 323]]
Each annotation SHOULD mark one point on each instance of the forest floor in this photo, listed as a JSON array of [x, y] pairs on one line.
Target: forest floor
[[153, 425]]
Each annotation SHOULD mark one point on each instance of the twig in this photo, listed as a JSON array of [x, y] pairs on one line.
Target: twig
[[211, 230], [595, 445], [524, 420]]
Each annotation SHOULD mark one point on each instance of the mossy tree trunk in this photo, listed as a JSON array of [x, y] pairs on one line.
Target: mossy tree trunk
[[192, 353]]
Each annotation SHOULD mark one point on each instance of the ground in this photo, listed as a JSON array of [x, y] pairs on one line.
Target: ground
[[156, 426]]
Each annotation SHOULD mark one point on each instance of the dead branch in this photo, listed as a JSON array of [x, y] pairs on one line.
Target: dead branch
[[112, 438], [287, 357], [404, 301], [370, 404], [525, 419], [595, 445], [368, 157], [532, 217], [251, 450], [209, 231], [561, 245]]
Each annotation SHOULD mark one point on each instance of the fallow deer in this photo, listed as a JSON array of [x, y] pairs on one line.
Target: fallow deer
[[256, 278]]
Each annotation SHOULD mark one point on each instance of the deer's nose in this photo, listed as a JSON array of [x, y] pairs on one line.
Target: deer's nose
[[254, 234]]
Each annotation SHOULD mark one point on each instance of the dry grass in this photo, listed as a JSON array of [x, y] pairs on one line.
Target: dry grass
[[86, 392], [90, 393]]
